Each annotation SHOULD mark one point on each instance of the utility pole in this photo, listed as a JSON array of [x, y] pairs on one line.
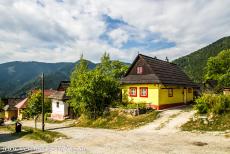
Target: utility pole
[[43, 97]]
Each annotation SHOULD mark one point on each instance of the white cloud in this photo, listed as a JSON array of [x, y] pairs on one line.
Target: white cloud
[[53, 31], [119, 37], [187, 23]]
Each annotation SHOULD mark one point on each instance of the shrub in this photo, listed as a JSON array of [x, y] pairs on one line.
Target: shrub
[[135, 106], [118, 104], [221, 105], [212, 103], [47, 115], [201, 106]]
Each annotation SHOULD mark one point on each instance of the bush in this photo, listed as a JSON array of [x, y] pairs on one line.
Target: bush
[[47, 115], [118, 104], [218, 123], [212, 103]]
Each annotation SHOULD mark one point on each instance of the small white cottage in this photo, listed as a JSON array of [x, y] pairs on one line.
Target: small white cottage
[[60, 108]]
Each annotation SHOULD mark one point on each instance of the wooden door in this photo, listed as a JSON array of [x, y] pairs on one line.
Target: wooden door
[[185, 95]]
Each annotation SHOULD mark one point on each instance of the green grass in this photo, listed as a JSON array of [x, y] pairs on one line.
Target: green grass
[[219, 123], [117, 120], [55, 121], [31, 133]]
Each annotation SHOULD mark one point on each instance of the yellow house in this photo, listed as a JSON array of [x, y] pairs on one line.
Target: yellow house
[[159, 84], [10, 111]]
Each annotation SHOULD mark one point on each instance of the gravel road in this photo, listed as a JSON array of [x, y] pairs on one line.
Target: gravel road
[[161, 136]]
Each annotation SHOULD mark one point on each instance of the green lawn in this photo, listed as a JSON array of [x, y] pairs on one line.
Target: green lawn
[[117, 120], [219, 123], [31, 133]]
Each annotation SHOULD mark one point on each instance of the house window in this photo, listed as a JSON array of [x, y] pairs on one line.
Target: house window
[[170, 92], [144, 92], [133, 91], [57, 104], [139, 70], [189, 90]]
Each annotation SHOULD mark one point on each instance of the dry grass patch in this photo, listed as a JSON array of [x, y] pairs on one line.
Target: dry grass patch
[[218, 123], [117, 120]]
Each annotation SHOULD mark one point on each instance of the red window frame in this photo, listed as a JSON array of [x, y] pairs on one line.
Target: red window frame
[[141, 91], [139, 70], [130, 94]]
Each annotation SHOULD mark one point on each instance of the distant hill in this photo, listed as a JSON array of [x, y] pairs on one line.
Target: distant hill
[[194, 63], [18, 77]]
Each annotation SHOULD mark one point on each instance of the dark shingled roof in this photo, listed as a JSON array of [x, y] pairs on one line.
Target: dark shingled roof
[[59, 95], [159, 71], [63, 85], [11, 102]]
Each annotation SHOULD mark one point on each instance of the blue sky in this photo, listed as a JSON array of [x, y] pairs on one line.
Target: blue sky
[[61, 30]]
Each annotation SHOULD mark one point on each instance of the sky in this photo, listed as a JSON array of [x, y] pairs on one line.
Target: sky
[[62, 30]]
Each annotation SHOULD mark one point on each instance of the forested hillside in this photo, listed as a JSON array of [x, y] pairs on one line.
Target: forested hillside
[[18, 77], [194, 64]]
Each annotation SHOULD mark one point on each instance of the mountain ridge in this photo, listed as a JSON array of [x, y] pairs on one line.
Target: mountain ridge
[[194, 63], [18, 77]]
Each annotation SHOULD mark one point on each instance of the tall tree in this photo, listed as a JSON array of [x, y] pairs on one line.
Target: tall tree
[[34, 106], [119, 69], [78, 87], [93, 91], [218, 68]]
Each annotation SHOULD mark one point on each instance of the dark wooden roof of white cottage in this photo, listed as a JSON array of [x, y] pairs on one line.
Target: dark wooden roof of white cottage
[[156, 71], [59, 95]]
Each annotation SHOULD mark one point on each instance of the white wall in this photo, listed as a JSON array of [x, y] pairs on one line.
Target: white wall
[[62, 109]]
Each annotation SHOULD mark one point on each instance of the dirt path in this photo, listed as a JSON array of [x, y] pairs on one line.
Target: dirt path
[[169, 121], [161, 136]]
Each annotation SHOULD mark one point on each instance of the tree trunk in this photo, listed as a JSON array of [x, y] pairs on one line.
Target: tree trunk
[[94, 116], [35, 121]]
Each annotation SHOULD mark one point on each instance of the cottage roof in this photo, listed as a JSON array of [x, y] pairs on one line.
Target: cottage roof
[[59, 95], [22, 104], [156, 71], [11, 102], [47, 92], [63, 85]]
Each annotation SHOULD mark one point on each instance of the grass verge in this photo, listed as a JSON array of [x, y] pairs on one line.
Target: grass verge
[[55, 121], [117, 120], [218, 123], [31, 133]]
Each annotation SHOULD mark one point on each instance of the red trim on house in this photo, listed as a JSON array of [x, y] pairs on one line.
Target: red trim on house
[[130, 91], [164, 106], [146, 91], [139, 70]]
